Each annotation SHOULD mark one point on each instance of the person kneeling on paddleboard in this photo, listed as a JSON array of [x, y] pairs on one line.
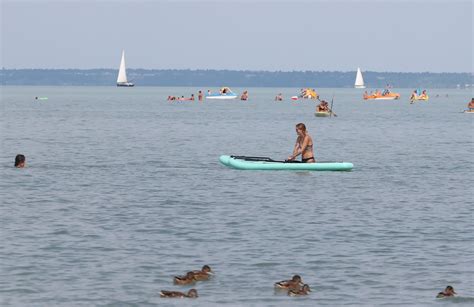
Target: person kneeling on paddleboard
[[303, 146]]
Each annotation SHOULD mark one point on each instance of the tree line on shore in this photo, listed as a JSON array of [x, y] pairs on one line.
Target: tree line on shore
[[243, 78]]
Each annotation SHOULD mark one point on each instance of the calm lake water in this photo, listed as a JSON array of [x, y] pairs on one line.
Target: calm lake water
[[124, 190]]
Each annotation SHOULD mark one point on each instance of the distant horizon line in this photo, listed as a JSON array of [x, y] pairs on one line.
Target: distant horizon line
[[246, 70]]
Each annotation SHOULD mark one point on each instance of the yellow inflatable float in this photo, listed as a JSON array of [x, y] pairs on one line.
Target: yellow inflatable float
[[308, 93], [423, 96], [387, 95]]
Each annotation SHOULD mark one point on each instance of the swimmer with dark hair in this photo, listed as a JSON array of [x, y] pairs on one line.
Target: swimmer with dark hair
[[20, 161]]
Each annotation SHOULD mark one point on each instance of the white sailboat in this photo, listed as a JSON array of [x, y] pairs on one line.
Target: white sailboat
[[359, 83], [122, 75]]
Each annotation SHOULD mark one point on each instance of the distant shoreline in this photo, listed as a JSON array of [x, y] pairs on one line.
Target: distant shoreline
[[233, 78], [213, 87]]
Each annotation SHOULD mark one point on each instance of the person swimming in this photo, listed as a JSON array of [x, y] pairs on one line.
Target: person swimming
[[303, 145], [20, 161], [449, 291]]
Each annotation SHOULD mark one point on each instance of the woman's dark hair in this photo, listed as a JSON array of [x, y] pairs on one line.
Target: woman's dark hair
[[19, 159]]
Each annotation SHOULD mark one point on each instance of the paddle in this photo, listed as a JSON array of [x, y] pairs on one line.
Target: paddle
[[332, 102], [262, 159], [251, 158]]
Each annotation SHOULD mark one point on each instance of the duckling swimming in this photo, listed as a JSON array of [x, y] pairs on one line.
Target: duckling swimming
[[184, 280], [203, 274], [302, 291], [175, 294], [294, 284], [449, 291]]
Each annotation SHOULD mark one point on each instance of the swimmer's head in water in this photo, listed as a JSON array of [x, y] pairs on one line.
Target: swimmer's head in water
[[20, 161]]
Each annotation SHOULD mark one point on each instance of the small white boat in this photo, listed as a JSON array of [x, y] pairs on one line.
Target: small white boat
[[225, 93], [122, 75], [359, 82], [387, 98]]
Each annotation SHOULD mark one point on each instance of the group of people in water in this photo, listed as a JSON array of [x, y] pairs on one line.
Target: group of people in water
[[377, 93], [182, 98], [416, 95], [200, 95], [323, 106]]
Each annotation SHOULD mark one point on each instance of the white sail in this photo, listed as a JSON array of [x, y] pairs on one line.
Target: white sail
[[122, 75], [359, 83]]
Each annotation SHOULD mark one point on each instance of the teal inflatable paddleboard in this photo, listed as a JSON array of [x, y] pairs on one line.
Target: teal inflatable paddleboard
[[264, 163]]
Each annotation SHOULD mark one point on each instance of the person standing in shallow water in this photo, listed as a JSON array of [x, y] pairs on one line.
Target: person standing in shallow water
[[470, 105], [303, 146], [200, 95], [244, 96], [20, 161]]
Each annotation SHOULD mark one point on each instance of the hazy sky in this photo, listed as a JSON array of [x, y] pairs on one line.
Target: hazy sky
[[377, 35]]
